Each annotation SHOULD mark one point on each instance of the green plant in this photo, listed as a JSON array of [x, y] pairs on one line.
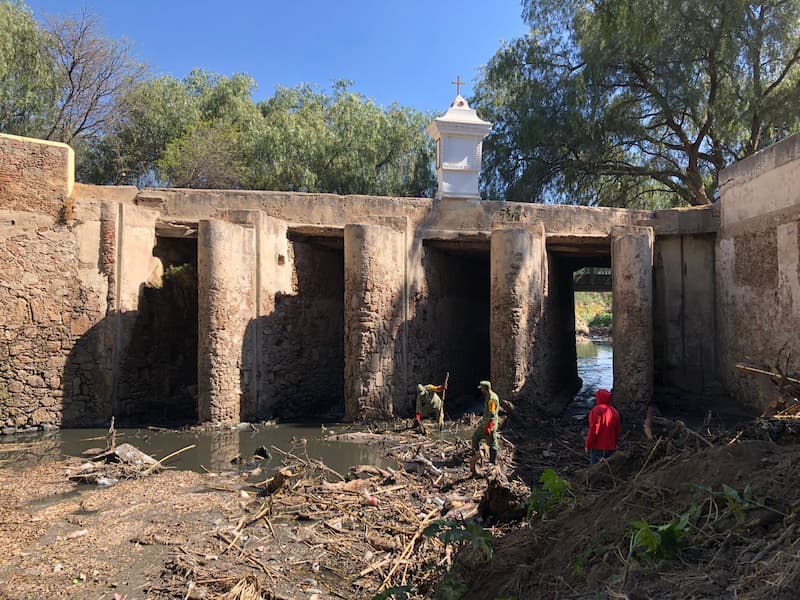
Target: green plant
[[461, 533], [661, 541], [581, 563], [552, 494]]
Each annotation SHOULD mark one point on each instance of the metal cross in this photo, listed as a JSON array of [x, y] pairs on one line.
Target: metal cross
[[458, 83]]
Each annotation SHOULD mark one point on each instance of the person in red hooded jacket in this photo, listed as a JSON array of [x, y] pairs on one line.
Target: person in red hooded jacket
[[603, 436]]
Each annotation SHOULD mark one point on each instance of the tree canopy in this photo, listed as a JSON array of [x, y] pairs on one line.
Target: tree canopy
[[65, 80], [637, 102]]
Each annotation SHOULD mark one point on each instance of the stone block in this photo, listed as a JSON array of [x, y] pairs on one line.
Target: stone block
[[35, 381], [41, 416], [80, 325]]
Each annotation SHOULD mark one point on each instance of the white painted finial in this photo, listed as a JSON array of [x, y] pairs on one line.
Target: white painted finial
[[459, 137]]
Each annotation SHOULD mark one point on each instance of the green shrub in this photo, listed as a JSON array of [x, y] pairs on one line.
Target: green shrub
[[604, 319], [551, 495]]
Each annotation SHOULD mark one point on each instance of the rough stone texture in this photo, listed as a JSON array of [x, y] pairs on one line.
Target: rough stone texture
[[226, 305], [632, 282], [519, 275], [157, 375], [375, 311], [301, 362], [35, 175], [47, 377], [758, 266], [448, 323]]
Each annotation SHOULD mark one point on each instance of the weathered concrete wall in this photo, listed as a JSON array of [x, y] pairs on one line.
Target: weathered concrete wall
[[684, 314], [758, 265], [374, 318], [519, 277], [557, 353], [276, 267], [226, 296], [275, 280], [632, 282], [35, 175], [436, 220]]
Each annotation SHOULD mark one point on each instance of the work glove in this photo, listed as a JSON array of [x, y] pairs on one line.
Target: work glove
[[489, 427]]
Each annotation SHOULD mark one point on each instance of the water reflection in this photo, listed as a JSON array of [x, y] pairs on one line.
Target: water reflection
[[214, 451], [596, 369]]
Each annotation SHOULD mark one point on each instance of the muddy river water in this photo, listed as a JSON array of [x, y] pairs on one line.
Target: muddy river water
[[234, 449]]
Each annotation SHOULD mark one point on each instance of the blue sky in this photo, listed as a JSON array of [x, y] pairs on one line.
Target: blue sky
[[406, 51]]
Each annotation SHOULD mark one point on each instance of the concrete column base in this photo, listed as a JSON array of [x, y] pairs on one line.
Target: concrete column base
[[632, 283], [518, 276], [374, 317]]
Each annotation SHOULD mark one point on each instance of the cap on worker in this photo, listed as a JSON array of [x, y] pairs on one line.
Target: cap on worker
[[420, 388], [485, 384]]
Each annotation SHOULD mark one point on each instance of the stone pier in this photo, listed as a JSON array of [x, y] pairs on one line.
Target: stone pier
[[226, 262], [632, 282], [518, 276], [374, 316]]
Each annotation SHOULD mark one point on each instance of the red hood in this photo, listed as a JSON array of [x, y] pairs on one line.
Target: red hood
[[603, 396]]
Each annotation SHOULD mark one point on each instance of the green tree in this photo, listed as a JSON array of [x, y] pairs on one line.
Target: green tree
[[169, 129], [28, 89], [341, 143], [637, 102], [207, 156], [156, 112]]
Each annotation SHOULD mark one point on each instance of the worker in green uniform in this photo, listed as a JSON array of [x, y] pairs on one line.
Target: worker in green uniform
[[428, 403], [487, 428]]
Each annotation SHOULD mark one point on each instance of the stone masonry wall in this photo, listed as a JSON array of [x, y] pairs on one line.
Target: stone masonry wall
[[35, 175], [46, 372], [758, 268]]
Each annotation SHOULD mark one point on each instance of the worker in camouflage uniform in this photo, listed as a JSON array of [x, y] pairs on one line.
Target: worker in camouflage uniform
[[487, 428], [428, 404]]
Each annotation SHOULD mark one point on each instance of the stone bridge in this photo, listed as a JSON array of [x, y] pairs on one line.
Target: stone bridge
[[302, 305]]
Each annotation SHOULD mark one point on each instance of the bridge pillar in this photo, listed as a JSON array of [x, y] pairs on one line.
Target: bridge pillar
[[226, 267], [632, 329], [518, 278], [375, 311]]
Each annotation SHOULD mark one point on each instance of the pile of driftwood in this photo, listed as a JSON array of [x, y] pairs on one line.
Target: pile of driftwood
[[117, 462], [309, 531]]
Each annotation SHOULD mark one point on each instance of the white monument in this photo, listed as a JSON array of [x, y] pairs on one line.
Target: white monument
[[459, 136]]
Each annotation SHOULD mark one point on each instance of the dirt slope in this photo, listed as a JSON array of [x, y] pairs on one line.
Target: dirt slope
[[743, 544]]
